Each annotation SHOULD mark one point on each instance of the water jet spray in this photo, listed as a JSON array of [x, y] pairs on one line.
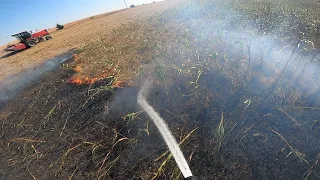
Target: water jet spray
[[164, 131]]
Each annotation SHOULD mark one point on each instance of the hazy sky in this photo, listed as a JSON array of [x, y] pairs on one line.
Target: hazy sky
[[21, 15]]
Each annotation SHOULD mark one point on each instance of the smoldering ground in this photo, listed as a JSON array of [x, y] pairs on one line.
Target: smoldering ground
[[11, 85]]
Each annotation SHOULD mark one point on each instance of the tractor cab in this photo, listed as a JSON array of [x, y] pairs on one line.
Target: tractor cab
[[26, 38], [23, 36]]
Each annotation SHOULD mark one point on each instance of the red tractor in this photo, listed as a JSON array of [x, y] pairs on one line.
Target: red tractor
[[27, 40]]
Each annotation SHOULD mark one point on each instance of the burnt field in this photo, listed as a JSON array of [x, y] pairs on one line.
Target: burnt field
[[237, 85]]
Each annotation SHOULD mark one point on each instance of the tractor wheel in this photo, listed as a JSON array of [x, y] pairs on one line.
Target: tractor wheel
[[30, 43], [48, 37], [40, 39]]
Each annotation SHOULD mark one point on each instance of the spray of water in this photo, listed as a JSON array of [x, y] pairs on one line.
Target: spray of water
[[164, 130]]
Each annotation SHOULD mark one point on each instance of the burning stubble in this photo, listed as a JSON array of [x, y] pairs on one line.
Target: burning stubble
[[164, 130]]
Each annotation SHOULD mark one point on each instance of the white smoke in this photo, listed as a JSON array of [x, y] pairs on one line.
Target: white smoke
[[11, 85]]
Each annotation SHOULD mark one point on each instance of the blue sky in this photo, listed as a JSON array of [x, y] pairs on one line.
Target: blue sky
[[21, 15]]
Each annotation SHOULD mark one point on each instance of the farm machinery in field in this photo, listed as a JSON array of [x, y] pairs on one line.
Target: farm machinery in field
[[27, 39]]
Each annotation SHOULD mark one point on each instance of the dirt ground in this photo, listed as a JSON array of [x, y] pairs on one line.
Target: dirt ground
[[75, 35]]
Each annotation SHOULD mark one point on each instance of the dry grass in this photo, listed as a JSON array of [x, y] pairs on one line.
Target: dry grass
[[118, 55]]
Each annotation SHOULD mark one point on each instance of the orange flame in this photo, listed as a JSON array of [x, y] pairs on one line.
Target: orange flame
[[78, 80], [86, 80], [75, 80]]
